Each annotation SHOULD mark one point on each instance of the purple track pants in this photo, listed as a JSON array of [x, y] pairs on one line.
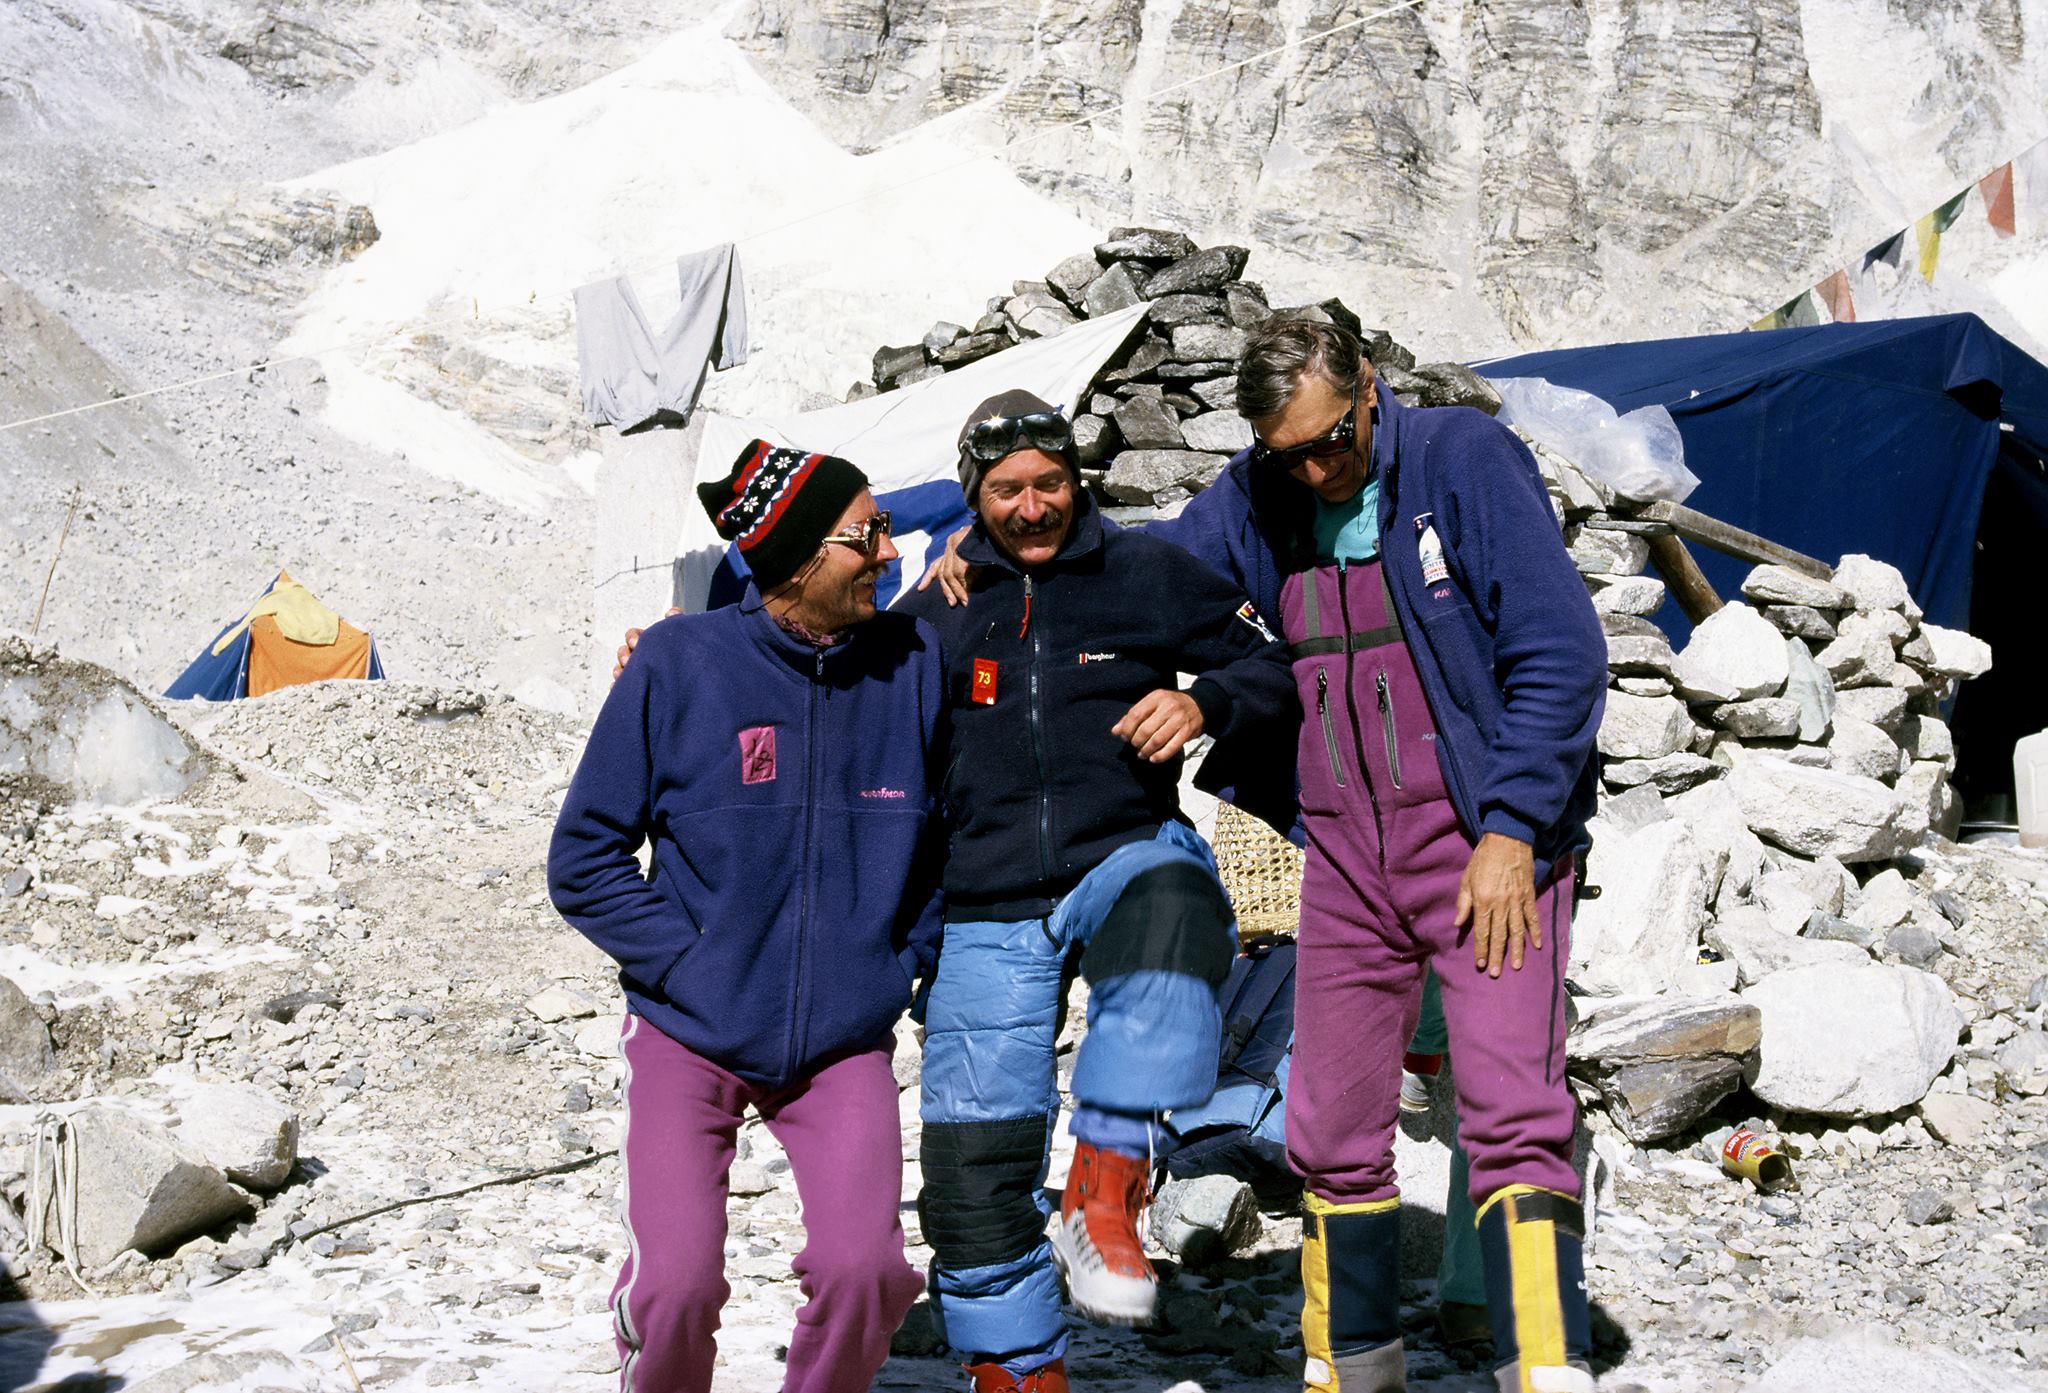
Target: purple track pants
[[1379, 892], [839, 1128]]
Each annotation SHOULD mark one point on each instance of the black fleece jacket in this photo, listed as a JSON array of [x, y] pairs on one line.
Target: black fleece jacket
[[1038, 789]]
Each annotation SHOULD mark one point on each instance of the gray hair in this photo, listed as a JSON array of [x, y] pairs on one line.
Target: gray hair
[[1278, 355]]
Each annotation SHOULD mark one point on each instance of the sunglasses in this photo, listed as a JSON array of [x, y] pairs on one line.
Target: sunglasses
[[866, 535], [1336, 441], [997, 437]]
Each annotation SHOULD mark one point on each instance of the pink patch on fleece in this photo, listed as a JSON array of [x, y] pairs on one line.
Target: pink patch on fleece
[[757, 755]]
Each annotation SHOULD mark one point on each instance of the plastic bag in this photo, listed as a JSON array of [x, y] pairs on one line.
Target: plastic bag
[[1639, 455]]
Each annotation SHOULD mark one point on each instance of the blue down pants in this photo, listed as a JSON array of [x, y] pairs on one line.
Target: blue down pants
[[1154, 936]]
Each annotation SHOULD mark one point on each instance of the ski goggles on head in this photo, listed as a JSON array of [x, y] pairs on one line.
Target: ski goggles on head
[[992, 440], [866, 534], [1335, 441]]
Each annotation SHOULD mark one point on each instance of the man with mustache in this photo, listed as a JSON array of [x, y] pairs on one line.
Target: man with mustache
[[778, 756], [1070, 855]]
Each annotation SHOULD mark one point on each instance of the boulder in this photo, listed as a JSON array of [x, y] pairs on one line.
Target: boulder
[[1871, 584], [1958, 1119], [1218, 432], [1816, 812], [557, 1002], [25, 1053], [1862, 654], [1171, 311], [1218, 393], [1800, 621], [1927, 737], [1638, 595], [1745, 936], [1734, 655], [1246, 305], [1454, 384], [943, 333], [1113, 290], [1781, 585], [1913, 944], [1927, 802], [1043, 321], [1834, 928], [1094, 438], [1852, 1040], [1210, 269], [1071, 278], [1883, 707], [1154, 245], [1716, 821], [1808, 683], [1785, 900], [1760, 718], [1956, 654], [1147, 423], [1632, 811], [242, 1131], [2024, 1062], [1643, 727], [1207, 343], [891, 363], [1205, 1218], [971, 349], [1858, 747], [1161, 476], [1599, 551], [1640, 654], [1641, 934], [138, 1187], [1668, 774], [1661, 1066]]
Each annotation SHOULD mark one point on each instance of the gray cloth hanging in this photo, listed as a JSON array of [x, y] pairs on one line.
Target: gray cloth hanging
[[637, 375]]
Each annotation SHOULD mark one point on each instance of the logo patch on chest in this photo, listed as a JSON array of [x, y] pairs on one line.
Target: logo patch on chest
[[983, 690], [757, 755], [1098, 657], [1430, 548]]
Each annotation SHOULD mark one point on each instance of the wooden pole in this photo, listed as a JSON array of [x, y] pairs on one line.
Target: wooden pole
[[69, 513], [1732, 541], [1682, 575]]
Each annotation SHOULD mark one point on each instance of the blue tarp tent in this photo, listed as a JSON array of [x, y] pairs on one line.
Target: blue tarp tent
[[1885, 438], [287, 637]]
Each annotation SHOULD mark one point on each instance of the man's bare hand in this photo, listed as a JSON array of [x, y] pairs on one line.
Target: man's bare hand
[[952, 574], [632, 642], [1160, 724], [1497, 897]]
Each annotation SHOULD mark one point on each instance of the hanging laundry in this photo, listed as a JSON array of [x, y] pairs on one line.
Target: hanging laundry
[[1928, 229], [638, 375], [1996, 187], [1834, 293]]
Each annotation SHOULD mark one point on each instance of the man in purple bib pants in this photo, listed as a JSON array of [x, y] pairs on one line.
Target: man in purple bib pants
[[1450, 668]]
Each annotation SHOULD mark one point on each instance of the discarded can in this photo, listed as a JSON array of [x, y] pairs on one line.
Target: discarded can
[[1749, 1157]]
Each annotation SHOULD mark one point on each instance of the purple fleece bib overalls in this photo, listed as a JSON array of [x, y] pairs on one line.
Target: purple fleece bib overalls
[[1379, 895]]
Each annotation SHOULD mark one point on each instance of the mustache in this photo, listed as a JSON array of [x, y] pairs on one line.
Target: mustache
[[1018, 528]]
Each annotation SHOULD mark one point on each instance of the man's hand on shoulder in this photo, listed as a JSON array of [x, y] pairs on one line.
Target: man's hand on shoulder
[[1160, 724], [632, 642], [1497, 898], [953, 575]]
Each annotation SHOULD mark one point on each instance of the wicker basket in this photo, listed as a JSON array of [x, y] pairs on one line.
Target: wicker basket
[[1262, 871]]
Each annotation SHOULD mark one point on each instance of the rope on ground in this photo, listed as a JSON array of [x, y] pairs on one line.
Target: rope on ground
[[560, 1168], [1087, 118], [53, 1180]]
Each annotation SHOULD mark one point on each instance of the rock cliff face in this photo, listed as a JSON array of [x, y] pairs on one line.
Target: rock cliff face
[[1553, 160]]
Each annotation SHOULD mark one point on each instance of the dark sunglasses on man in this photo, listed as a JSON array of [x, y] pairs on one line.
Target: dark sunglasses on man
[[1335, 441], [866, 534], [998, 437]]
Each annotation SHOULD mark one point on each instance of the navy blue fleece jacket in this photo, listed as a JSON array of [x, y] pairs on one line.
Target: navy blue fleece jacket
[[1040, 668], [1506, 641], [797, 851]]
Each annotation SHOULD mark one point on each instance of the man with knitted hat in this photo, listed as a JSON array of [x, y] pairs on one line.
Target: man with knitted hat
[[1070, 855], [775, 754]]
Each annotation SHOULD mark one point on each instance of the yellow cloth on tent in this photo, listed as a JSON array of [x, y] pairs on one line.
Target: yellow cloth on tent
[[276, 661], [300, 617]]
